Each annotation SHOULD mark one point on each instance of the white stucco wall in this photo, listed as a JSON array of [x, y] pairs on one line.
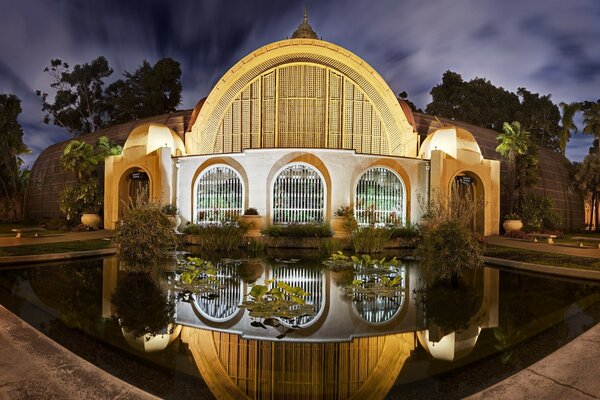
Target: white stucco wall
[[341, 168]]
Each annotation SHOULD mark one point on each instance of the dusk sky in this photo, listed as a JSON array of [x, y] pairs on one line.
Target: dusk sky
[[549, 47]]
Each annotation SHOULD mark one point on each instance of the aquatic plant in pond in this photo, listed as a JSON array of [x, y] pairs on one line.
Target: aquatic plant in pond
[[372, 277], [196, 276], [276, 300]]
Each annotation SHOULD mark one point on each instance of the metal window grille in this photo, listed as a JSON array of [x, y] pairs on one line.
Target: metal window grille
[[310, 280], [379, 309], [219, 195], [379, 198], [225, 305], [298, 195]]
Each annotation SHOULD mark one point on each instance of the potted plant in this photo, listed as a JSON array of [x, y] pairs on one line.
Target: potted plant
[[253, 220], [512, 222], [173, 214], [339, 221]]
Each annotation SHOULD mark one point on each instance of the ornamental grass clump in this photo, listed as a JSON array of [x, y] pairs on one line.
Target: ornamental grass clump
[[449, 246], [144, 236], [369, 239], [225, 236], [299, 230]]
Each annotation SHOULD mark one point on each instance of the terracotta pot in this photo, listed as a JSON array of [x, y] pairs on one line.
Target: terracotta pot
[[512, 225], [254, 222], [339, 227], [92, 220]]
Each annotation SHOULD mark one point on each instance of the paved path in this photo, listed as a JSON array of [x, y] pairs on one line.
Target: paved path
[[571, 372], [54, 238], [544, 247], [34, 367]]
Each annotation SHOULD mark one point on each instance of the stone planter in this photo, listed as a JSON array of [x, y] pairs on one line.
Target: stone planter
[[254, 223], [92, 220], [175, 220], [339, 228], [512, 225]]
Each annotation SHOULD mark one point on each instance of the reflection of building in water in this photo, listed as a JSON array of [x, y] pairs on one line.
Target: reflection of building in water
[[224, 304], [458, 344], [236, 368], [380, 309], [311, 281]]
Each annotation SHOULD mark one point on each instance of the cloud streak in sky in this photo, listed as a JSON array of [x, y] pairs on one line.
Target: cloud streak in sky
[[549, 47]]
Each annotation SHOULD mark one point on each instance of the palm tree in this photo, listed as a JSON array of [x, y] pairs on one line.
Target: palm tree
[[591, 121], [512, 143], [587, 179], [567, 123]]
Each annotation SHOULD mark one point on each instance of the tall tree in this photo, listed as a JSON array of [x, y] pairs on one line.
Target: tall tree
[[587, 179], [540, 117], [512, 142], [150, 90], [477, 101], [567, 124], [12, 178], [79, 104], [591, 122]]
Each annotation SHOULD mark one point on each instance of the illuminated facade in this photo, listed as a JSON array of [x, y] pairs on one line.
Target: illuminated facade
[[297, 129]]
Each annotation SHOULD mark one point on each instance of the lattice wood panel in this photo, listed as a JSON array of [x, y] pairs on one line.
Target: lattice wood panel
[[302, 105]]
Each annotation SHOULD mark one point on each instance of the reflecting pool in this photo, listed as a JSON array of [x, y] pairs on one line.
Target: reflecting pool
[[362, 332]]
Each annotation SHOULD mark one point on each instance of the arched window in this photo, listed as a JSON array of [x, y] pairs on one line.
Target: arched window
[[298, 195], [380, 197], [219, 195]]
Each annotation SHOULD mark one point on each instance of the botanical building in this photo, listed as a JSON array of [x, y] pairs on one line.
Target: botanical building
[[297, 129]]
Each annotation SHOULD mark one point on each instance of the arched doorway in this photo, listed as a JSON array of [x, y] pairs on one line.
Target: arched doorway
[[134, 186], [468, 188]]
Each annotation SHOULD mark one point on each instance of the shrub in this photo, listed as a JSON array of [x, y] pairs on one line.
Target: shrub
[[450, 309], [512, 216], [449, 248], [144, 235], [404, 232], [330, 246], [369, 239], [83, 197], [344, 211], [298, 230], [140, 305], [518, 234], [251, 211], [170, 209], [538, 214], [226, 236]]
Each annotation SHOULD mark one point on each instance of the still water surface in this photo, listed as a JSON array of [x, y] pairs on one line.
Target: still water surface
[[419, 339]]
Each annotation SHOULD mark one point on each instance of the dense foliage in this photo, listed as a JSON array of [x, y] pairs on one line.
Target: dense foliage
[[80, 103], [140, 306], [144, 235], [512, 143], [85, 161], [13, 179], [538, 214], [299, 230], [225, 236], [587, 180], [448, 245], [481, 103]]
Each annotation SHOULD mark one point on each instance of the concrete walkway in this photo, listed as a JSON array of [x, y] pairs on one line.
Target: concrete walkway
[[34, 367], [544, 247], [54, 238], [571, 372]]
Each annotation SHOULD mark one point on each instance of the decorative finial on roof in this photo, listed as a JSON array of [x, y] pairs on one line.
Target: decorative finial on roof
[[304, 31]]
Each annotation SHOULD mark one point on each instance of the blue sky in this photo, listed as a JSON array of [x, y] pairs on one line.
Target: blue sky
[[549, 47]]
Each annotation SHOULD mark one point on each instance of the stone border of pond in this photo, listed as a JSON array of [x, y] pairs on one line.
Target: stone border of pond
[[35, 367], [43, 258], [544, 269]]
